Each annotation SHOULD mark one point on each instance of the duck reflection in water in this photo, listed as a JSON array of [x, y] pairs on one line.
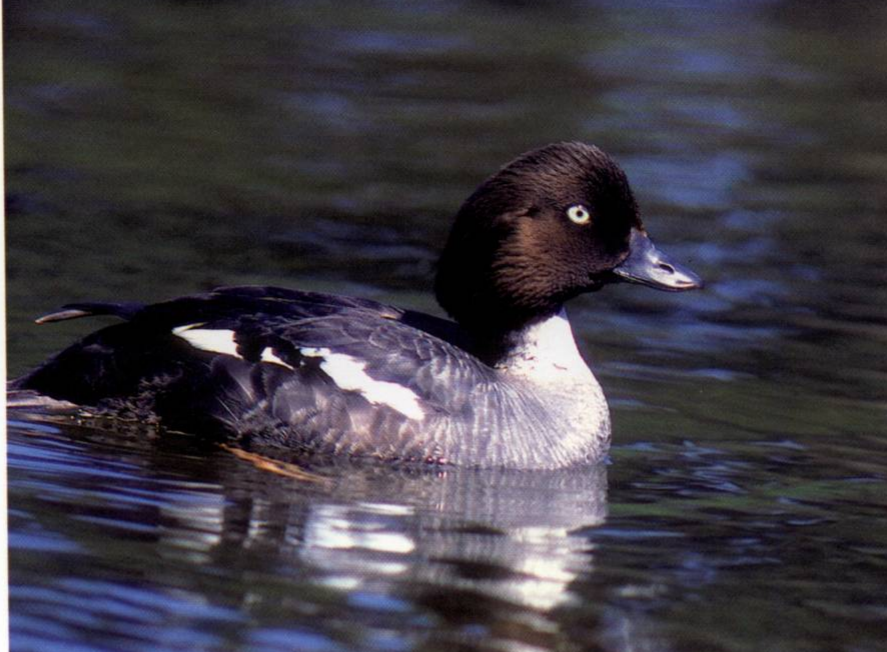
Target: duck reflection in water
[[486, 551]]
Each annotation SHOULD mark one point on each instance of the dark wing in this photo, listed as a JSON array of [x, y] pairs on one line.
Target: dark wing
[[271, 363]]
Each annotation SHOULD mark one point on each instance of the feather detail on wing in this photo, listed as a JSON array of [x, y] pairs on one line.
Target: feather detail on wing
[[360, 345], [296, 369]]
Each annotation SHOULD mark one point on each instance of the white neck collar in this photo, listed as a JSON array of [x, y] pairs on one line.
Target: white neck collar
[[546, 352]]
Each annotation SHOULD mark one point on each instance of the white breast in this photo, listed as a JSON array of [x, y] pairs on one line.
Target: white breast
[[546, 353], [546, 360]]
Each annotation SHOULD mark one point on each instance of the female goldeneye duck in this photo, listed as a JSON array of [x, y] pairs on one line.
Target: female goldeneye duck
[[502, 386]]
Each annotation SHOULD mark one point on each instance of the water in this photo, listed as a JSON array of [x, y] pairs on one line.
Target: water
[[160, 148]]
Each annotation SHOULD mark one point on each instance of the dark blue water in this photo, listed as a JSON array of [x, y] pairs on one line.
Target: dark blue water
[[160, 148]]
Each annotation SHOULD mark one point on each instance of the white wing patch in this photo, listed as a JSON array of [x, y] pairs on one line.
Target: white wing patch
[[350, 374], [347, 372], [221, 341], [268, 355], [208, 339]]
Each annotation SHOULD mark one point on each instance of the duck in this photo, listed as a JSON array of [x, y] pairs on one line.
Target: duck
[[501, 384]]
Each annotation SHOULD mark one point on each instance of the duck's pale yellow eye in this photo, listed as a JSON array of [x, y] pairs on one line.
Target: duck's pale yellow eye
[[579, 214]]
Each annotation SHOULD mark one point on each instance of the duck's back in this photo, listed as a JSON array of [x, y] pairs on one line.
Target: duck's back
[[305, 370]]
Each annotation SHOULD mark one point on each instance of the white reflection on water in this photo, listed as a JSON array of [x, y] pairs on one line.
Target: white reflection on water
[[506, 536], [203, 514]]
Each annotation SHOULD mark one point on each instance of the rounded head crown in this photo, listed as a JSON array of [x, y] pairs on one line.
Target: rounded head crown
[[549, 225]]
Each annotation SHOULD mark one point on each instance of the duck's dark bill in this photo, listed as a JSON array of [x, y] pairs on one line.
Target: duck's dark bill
[[649, 266]]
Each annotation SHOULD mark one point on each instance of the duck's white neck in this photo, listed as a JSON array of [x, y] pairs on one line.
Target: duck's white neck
[[545, 352]]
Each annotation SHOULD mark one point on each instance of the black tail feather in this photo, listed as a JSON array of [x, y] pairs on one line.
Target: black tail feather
[[76, 310]]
